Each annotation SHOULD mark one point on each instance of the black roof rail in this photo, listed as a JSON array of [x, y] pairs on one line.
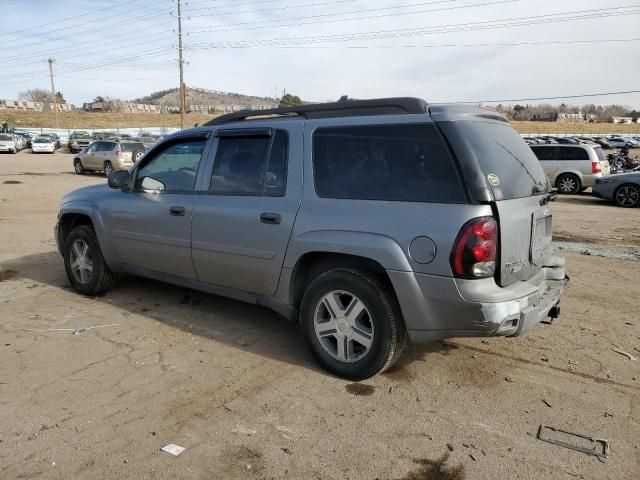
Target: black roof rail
[[343, 108]]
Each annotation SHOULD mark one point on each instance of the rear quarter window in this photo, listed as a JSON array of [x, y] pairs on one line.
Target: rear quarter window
[[573, 153], [507, 164], [407, 163]]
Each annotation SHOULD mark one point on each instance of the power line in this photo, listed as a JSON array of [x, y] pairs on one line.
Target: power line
[[447, 45], [62, 20], [286, 7], [430, 30], [561, 97], [336, 20]]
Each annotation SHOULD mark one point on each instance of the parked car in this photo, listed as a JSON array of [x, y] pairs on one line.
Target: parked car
[[620, 142], [9, 143], [27, 138], [108, 156], [54, 138], [565, 140], [43, 145], [79, 141], [572, 168], [602, 141], [369, 222], [622, 189]]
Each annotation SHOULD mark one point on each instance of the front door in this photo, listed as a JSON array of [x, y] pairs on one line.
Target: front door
[[151, 224], [243, 221]]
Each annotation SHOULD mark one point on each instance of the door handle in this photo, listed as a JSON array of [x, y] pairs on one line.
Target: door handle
[[270, 218], [177, 211]]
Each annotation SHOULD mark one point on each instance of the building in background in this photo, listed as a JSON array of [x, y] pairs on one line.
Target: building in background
[[622, 119], [29, 106]]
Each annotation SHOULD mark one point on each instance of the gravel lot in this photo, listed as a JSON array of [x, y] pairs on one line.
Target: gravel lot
[[233, 384]]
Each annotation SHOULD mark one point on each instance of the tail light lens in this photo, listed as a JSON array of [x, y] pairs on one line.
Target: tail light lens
[[595, 167], [118, 152], [476, 248]]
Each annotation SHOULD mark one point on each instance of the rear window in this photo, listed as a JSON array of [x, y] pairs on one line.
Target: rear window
[[507, 163], [600, 154], [545, 153], [407, 163], [42, 140], [131, 147], [573, 153], [81, 135], [6, 137]]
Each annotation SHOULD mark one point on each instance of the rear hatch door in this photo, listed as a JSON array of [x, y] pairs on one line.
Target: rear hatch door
[[494, 157]]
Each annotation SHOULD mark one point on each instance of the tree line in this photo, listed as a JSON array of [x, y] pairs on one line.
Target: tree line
[[602, 113]]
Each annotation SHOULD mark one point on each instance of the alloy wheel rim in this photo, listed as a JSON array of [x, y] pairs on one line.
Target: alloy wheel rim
[[81, 261], [78, 167], [567, 185], [627, 196], [108, 169], [343, 326]]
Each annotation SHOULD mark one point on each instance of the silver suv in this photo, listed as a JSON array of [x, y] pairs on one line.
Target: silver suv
[[369, 222], [108, 156], [572, 168]]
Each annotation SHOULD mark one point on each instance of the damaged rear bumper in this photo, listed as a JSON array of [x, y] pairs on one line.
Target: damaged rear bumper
[[441, 307]]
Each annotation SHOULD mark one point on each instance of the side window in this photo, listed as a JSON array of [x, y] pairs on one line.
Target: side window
[[93, 147], [407, 163], [172, 169], [574, 153], [544, 153], [253, 166], [105, 146]]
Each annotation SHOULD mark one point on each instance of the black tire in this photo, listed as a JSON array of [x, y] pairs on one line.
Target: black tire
[[78, 167], [101, 278], [627, 196], [568, 184], [383, 312], [108, 168]]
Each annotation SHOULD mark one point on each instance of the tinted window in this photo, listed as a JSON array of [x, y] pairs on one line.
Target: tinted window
[[105, 146], [508, 165], [545, 153], [600, 154], [251, 165], [6, 138], [173, 169], [573, 153], [131, 147], [384, 162]]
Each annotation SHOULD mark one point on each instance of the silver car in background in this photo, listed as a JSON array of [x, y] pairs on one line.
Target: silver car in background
[[108, 156], [43, 145], [9, 143], [572, 168]]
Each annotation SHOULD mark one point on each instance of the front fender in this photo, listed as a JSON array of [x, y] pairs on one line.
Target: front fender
[[379, 248], [90, 209]]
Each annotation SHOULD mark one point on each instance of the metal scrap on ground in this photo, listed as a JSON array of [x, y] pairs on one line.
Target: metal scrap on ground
[[599, 446]]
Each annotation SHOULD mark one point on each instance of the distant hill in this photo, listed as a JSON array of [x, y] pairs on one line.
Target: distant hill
[[201, 96]]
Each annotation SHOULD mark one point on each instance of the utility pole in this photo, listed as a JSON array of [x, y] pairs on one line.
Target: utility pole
[[53, 91], [181, 64]]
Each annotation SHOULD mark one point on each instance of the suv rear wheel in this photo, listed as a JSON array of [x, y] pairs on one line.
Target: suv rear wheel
[[352, 324], [108, 168], [568, 184], [83, 261]]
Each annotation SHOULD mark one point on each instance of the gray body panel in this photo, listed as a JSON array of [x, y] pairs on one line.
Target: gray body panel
[[221, 246]]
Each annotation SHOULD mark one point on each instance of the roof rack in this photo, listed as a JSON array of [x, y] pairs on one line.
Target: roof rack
[[342, 108]]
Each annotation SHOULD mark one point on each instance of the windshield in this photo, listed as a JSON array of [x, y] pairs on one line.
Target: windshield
[[42, 140], [131, 147], [6, 137], [81, 135], [507, 163]]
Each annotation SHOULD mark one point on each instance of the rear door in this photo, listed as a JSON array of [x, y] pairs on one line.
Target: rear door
[[548, 157], [244, 215], [519, 187]]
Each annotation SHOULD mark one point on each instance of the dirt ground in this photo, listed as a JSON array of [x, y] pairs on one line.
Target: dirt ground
[[95, 387]]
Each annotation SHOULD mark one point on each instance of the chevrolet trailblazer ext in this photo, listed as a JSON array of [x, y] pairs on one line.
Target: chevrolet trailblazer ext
[[369, 222]]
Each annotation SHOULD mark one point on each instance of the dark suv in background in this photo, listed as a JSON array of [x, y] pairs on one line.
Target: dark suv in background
[[369, 222]]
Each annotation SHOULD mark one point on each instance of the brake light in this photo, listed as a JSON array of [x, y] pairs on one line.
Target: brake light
[[595, 167], [476, 248]]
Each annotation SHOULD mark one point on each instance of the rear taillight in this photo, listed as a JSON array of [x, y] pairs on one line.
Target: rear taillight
[[474, 253], [595, 167], [118, 153]]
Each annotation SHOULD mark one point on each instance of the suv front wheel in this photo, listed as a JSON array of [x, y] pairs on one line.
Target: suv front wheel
[[352, 324], [86, 268]]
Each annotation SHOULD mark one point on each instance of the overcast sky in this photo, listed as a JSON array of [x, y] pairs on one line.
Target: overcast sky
[[322, 49]]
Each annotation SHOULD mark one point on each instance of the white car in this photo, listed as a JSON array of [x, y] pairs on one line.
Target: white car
[[619, 142], [43, 145], [9, 143]]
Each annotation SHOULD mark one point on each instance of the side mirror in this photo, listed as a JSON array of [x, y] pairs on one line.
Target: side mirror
[[119, 180]]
